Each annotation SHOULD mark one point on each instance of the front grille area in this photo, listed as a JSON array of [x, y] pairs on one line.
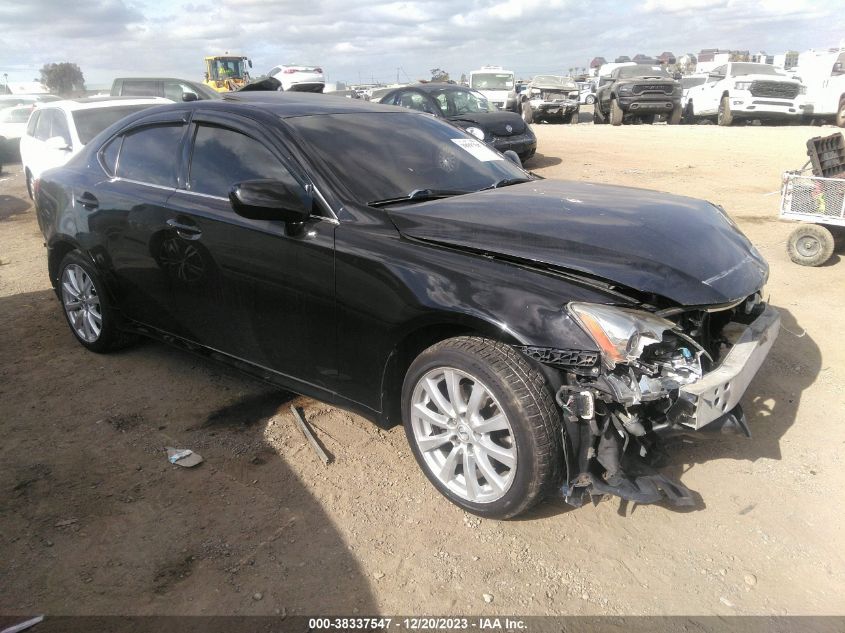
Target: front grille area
[[779, 89], [501, 129], [560, 357], [664, 89]]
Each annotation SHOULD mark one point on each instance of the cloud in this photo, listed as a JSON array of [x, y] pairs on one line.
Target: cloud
[[380, 38]]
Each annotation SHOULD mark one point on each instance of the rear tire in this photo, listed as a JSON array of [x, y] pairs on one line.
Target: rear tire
[[616, 113], [514, 418], [88, 310], [810, 245], [725, 118]]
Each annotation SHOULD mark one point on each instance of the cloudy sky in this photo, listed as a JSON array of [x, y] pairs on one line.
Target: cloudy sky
[[368, 39]]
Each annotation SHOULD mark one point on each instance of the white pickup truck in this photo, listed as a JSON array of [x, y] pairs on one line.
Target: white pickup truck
[[744, 90], [824, 75]]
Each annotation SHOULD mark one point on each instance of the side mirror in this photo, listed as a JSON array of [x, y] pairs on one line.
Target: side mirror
[[189, 96], [513, 157], [58, 143], [287, 201], [838, 69], [249, 61]]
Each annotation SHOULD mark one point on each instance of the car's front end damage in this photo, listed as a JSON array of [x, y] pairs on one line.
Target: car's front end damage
[[553, 99], [658, 374]]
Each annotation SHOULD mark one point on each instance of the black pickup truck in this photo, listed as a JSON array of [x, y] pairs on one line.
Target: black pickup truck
[[638, 93]]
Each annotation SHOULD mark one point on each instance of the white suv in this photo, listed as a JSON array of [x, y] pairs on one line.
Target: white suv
[[58, 130], [743, 90]]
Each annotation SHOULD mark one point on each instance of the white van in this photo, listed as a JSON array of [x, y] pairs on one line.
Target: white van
[[497, 84], [823, 73]]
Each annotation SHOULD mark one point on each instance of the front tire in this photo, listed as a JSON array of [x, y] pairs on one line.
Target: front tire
[[616, 113], [527, 113], [725, 118], [675, 116], [810, 245], [482, 425], [88, 310], [840, 116]]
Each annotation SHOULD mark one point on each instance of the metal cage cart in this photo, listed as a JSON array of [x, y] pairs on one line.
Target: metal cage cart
[[817, 201]]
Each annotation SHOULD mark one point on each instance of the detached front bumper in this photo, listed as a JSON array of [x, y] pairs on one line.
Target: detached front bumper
[[555, 107], [718, 392]]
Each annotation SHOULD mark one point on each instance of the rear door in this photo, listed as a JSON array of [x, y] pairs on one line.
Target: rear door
[[262, 291]]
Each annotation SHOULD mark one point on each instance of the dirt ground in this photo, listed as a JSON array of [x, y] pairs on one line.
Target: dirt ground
[[94, 520]]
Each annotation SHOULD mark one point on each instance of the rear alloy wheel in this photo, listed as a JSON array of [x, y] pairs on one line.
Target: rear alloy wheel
[[810, 245], [616, 113], [527, 113], [87, 309], [482, 425], [590, 100], [725, 117]]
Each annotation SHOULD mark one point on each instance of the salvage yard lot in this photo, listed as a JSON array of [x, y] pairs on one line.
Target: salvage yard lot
[[94, 520]]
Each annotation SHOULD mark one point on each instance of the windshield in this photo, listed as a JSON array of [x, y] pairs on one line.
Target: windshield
[[752, 69], [15, 115], [689, 82], [92, 121], [491, 81], [378, 156], [231, 68], [550, 79], [627, 72], [454, 102]]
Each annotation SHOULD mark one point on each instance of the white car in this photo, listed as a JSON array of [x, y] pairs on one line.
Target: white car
[[12, 125], [299, 78], [744, 90], [823, 73], [687, 83], [58, 130]]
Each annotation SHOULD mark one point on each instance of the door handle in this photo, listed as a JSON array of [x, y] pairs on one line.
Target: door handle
[[186, 231], [88, 200]]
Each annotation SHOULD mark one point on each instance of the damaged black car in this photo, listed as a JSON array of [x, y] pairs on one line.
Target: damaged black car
[[534, 337]]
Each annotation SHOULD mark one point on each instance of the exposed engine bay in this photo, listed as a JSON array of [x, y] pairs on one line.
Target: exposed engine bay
[[673, 372]]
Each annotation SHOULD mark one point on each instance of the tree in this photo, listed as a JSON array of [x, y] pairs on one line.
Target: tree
[[438, 74], [63, 78]]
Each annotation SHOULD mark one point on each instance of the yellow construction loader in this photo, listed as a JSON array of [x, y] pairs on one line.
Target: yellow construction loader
[[225, 73]]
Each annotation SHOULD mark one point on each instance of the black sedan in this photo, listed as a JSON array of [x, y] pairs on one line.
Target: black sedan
[[532, 336], [471, 111]]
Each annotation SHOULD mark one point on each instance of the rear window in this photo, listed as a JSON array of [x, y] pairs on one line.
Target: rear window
[[143, 88], [91, 122]]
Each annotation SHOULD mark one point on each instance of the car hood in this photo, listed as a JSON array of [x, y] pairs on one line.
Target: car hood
[[684, 249], [495, 122]]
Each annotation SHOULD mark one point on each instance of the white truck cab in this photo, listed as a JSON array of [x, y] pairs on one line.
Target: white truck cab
[[497, 84], [823, 73], [745, 90]]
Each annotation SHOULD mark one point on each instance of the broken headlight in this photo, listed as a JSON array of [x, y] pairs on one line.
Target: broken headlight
[[620, 333]]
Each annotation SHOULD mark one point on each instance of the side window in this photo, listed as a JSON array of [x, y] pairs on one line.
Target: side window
[[151, 155], [44, 125], [224, 157], [33, 123], [108, 155], [717, 74], [415, 101], [60, 127]]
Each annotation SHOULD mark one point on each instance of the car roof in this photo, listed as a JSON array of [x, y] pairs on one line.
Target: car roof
[[431, 87], [292, 104], [87, 103]]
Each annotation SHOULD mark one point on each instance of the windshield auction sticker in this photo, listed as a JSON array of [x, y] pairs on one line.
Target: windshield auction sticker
[[477, 149]]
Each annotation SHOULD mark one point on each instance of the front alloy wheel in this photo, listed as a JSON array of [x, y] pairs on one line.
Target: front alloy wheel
[[483, 425], [463, 434]]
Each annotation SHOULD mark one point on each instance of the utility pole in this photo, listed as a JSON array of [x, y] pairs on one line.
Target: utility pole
[[6, 83]]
